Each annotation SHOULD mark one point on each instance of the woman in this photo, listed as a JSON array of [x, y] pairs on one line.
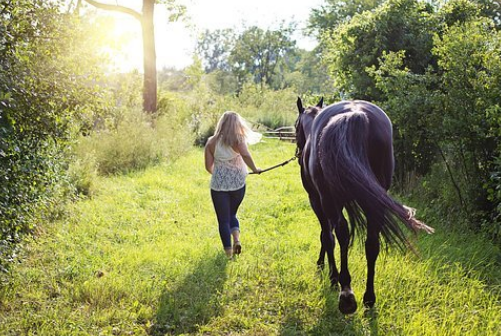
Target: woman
[[226, 158]]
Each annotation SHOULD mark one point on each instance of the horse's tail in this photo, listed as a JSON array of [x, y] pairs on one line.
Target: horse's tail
[[342, 149]]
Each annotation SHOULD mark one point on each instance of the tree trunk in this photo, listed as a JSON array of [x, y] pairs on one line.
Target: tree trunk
[[149, 57], [149, 53]]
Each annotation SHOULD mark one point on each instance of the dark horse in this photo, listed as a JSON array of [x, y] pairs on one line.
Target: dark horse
[[346, 155]]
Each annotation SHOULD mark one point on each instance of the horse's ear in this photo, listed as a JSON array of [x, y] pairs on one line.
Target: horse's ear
[[300, 105], [321, 102]]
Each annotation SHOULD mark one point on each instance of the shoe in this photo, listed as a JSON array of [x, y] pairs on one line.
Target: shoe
[[237, 248], [229, 253]]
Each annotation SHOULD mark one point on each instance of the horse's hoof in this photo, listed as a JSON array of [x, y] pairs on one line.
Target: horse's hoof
[[347, 302], [369, 301], [369, 304]]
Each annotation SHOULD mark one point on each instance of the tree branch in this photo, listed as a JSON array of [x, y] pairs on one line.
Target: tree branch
[[116, 8]]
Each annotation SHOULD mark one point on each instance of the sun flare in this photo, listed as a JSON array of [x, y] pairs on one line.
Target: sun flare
[[128, 52]]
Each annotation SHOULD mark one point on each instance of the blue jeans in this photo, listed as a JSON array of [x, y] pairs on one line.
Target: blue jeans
[[226, 204]]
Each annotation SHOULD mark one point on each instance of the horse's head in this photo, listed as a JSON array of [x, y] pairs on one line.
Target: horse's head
[[304, 122]]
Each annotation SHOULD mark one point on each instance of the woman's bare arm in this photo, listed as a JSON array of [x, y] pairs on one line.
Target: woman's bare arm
[[209, 155], [246, 155]]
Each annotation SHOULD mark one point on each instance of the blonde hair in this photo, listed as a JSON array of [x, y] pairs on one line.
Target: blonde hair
[[232, 130]]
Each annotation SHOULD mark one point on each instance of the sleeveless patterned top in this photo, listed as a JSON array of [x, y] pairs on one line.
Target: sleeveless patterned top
[[229, 171]]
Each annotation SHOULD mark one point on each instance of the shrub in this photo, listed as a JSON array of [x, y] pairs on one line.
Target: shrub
[[82, 174], [136, 143], [272, 109]]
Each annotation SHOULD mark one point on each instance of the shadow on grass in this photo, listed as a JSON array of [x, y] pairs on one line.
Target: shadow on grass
[[194, 301], [332, 321]]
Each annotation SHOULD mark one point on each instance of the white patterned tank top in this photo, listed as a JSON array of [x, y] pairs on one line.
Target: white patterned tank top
[[229, 171]]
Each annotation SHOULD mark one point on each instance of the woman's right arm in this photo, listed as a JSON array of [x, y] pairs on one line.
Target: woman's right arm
[[209, 155]]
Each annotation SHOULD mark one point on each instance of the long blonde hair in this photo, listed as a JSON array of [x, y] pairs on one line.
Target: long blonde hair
[[232, 130]]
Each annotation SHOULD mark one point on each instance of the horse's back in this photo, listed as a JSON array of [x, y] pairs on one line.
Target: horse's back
[[378, 136], [379, 123]]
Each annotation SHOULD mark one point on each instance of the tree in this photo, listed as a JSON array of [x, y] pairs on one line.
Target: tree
[[335, 12], [447, 119], [307, 74], [149, 53], [356, 46], [214, 47], [258, 52]]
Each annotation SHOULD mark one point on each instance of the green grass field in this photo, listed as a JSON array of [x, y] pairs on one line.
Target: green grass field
[[143, 257]]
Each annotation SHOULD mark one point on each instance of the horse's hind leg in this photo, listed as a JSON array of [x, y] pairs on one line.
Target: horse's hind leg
[[372, 246], [321, 255], [347, 301]]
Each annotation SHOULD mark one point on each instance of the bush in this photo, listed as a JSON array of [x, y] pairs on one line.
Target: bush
[[272, 109], [82, 174], [31, 170], [136, 143]]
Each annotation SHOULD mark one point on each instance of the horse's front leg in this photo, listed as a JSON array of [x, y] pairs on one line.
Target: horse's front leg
[[347, 301], [372, 247], [326, 243]]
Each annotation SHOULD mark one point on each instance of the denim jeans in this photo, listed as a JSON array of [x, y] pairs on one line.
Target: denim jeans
[[226, 204]]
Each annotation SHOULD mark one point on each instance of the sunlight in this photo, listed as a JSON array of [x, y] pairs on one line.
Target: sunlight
[[128, 54], [174, 43]]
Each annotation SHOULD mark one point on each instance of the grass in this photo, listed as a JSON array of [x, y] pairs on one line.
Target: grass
[[143, 257]]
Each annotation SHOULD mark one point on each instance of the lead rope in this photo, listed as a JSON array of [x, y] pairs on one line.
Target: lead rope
[[278, 165]]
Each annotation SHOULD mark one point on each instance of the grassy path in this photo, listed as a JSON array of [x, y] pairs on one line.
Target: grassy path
[[143, 257]]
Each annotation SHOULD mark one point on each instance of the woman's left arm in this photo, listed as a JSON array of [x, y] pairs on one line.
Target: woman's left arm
[[209, 156]]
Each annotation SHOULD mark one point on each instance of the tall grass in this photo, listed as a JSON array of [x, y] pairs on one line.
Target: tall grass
[[143, 257], [138, 141]]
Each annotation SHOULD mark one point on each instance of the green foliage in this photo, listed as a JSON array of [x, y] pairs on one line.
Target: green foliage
[[259, 53], [266, 107], [470, 60], [133, 145], [436, 72], [309, 75], [31, 169], [143, 257], [83, 173], [264, 57], [42, 88], [214, 48], [335, 12], [171, 79], [352, 48], [458, 12], [408, 103]]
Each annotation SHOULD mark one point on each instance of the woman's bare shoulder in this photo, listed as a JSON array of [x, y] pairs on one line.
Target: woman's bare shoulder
[[211, 142]]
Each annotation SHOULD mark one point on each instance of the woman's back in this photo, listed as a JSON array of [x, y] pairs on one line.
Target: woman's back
[[230, 169]]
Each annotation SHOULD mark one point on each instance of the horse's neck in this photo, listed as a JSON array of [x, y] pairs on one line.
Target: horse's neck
[[307, 127]]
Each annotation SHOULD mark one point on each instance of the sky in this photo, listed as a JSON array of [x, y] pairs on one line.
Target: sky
[[175, 42]]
